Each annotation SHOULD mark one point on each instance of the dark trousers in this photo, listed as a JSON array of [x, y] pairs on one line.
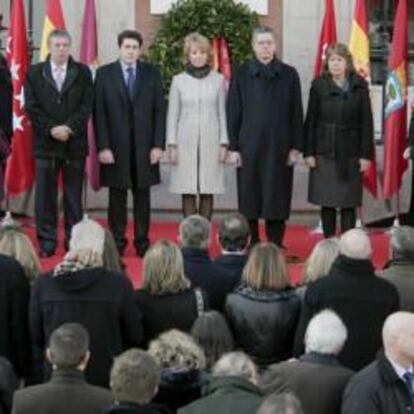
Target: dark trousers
[[118, 215], [275, 231], [47, 172], [328, 218]]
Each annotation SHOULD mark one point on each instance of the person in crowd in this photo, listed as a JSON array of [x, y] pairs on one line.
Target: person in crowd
[[264, 146], [232, 388], [318, 263], [194, 237], [9, 383], [166, 299], [359, 297], [234, 241], [80, 290], [196, 129], [111, 259], [129, 119], [386, 385], [14, 303], [15, 243], [212, 333], [58, 101], [134, 382], [182, 364], [264, 310], [67, 391], [284, 403], [400, 270], [6, 118], [339, 136], [316, 378]]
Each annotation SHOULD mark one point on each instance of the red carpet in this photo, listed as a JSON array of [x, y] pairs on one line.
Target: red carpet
[[299, 242]]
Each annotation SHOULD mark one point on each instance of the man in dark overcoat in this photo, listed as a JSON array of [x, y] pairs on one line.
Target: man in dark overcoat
[[58, 96], [129, 118], [265, 118]]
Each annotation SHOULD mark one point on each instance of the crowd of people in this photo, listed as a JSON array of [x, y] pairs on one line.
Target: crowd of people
[[202, 335]]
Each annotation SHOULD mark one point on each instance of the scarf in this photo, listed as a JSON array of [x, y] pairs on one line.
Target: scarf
[[197, 73], [77, 260]]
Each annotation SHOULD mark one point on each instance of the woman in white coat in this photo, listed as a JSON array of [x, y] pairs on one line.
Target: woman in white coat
[[196, 129]]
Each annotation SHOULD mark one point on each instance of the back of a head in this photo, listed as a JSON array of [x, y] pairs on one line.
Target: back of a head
[[213, 334], [233, 232], [87, 235], [402, 242], [134, 377], [266, 268], [285, 403], [68, 346], [195, 232], [176, 349], [325, 334], [355, 244], [236, 364]]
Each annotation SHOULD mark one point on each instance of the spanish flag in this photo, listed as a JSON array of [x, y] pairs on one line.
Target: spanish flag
[[359, 48], [53, 20], [395, 130]]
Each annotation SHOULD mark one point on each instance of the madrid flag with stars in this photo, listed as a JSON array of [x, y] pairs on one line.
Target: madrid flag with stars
[[20, 173]]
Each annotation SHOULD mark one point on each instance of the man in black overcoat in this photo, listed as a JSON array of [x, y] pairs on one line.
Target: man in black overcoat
[[265, 118], [58, 94], [129, 118]]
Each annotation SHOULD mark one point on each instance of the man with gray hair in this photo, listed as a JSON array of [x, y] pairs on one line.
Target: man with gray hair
[[232, 388], [400, 269], [194, 237], [317, 372], [67, 391], [134, 382], [359, 297], [387, 385]]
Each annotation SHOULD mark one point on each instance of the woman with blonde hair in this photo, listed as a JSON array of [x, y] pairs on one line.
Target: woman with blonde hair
[[319, 263], [15, 243], [196, 129], [182, 364], [263, 311], [166, 299], [339, 138]]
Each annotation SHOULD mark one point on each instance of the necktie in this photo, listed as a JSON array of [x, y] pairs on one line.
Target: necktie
[[130, 81], [59, 78], [409, 380]]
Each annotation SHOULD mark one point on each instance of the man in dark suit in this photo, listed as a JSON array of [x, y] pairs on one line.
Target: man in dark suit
[[67, 391], [234, 239], [265, 132], [59, 94], [318, 372], [129, 118]]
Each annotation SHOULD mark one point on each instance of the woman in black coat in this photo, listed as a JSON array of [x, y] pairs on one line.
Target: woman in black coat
[[264, 310], [338, 139], [167, 300]]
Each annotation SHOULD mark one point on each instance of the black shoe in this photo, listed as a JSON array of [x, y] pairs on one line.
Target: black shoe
[[141, 247]]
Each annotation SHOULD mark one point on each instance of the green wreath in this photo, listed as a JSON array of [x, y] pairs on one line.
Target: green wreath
[[212, 18]]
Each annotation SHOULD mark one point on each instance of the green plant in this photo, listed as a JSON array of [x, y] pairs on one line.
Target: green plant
[[212, 18]]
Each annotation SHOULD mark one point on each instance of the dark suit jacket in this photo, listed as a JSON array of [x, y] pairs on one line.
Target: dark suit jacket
[[117, 120], [203, 273], [66, 393], [317, 380], [232, 265], [47, 108]]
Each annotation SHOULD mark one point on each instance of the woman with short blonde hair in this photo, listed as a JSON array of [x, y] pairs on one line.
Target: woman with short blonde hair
[[263, 311], [166, 299], [198, 41]]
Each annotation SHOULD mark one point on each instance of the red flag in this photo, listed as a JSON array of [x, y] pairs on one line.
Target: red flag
[[20, 172], [326, 37], [225, 66], [89, 56], [359, 48], [395, 129]]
